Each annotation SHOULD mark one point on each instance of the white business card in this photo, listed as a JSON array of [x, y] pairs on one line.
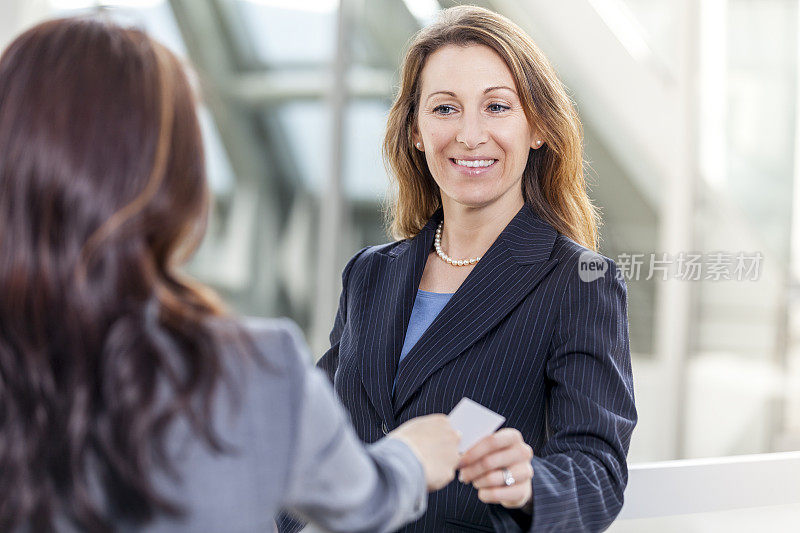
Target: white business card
[[474, 421]]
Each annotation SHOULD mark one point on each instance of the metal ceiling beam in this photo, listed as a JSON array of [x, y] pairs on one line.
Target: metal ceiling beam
[[261, 165], [269, 87], [198, 22], [388, 26]]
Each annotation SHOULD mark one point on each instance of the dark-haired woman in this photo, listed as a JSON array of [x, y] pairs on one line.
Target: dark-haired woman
[[128, 399]]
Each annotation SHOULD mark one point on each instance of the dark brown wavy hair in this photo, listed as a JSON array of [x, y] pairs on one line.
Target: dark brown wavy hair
[[103, 343], [552, 182]]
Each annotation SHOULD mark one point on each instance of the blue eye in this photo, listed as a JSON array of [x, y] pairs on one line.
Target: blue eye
[[444, 109], [498, 108]]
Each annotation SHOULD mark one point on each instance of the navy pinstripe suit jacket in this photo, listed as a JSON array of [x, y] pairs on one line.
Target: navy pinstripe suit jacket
[[524, 336]]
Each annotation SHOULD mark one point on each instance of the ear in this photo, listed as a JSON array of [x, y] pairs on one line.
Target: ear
[[536, 140], [416, 139]]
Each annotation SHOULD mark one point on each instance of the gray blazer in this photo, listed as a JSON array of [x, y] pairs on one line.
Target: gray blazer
[[294, 448]]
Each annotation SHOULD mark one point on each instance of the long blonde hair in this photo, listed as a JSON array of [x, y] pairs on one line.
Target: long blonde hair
[[553, 181]]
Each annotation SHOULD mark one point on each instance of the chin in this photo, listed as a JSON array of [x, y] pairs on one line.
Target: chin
[[473, 201], [477, 196]]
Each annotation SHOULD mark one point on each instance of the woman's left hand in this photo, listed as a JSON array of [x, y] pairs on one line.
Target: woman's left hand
[[483, 465]]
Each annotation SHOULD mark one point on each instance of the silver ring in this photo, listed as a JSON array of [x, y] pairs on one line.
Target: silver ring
[[508, 478]]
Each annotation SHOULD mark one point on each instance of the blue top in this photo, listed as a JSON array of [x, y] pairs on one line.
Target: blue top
[[427, 307]]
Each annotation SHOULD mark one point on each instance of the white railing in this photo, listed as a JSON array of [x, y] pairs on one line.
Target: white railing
[[708, 485], [671, 488]]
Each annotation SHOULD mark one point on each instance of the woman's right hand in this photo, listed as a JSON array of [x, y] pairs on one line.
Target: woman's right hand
[[435, 443]]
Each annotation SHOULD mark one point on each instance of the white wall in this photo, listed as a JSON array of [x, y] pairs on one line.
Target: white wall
[[17, 15]]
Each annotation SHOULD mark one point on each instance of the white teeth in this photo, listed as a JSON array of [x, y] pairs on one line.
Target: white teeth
[[476, 163]]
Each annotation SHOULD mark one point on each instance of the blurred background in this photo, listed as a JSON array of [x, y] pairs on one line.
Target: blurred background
[[692, 150]]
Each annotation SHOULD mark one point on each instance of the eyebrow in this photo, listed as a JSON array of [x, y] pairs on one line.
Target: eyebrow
[[485, 91], [490, 89], [448, 93]]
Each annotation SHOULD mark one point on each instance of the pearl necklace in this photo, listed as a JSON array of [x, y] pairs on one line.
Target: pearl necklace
[[437, 244]]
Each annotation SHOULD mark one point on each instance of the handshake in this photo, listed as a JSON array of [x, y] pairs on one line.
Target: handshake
[[498, 465]]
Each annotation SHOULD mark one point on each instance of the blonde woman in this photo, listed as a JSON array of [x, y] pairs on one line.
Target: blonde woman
[[484, 295]]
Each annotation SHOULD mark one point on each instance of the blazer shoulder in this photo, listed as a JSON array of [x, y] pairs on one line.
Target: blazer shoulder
[[278, 345], [365, 255], [566, 250], [388, 248], [585, 265]]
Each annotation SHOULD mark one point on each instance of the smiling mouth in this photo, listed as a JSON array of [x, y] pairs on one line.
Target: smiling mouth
[[475, 163]]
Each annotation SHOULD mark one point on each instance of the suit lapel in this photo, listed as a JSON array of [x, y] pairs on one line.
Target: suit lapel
[[507, 272], [388, 314]]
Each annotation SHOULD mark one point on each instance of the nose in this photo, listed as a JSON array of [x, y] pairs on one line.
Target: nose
[[472, 131]]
